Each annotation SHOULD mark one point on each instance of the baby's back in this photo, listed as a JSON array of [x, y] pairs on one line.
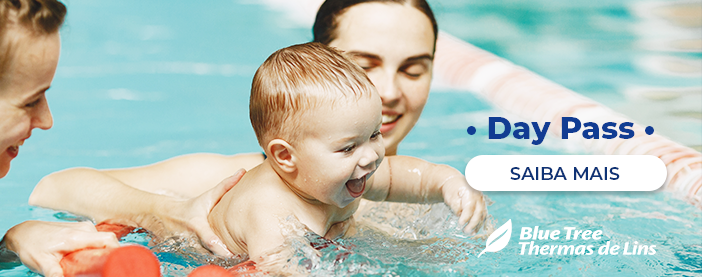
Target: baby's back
[[248, 210]]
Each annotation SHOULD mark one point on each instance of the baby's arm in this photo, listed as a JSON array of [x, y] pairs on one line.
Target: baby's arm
[[412, 180], [263, 239]]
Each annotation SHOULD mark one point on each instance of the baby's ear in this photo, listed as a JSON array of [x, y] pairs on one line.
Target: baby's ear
[[282, 155]]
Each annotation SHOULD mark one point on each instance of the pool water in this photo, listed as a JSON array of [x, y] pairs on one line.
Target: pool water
[[139, 82]]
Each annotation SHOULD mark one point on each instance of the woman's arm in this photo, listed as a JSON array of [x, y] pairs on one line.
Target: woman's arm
[[412, 180], [102, 197], [186, 176]]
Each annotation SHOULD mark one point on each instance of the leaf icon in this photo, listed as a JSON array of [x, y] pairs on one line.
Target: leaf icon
[[498, 239]]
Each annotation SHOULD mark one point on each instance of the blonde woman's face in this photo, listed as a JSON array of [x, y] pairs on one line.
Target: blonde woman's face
[[394, 43], [23, 105]]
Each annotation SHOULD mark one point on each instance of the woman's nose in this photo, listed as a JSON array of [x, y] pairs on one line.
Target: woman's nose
[[42, 118], [389, 89]]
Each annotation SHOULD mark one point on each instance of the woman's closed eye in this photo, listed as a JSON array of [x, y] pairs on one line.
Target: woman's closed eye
[[36, 99], [33, 103], [365, 62], [414, 70], [368, 66]]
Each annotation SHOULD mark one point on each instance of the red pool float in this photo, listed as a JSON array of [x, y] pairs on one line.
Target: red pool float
[[125, 261], [210, 271]]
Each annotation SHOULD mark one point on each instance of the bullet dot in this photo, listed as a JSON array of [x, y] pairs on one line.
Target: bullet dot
[[649, 130], [471, 130]]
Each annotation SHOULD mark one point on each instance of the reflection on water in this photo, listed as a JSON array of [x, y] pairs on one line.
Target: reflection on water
[[426, 241], [672, 32], [670, 26]]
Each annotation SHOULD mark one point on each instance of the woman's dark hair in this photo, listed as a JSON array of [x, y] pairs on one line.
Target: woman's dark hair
[[325, 24], [36, 17]]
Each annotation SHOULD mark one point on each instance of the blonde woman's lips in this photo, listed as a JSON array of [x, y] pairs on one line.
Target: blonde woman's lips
[[389, 122], [13, 150], [356, 186]]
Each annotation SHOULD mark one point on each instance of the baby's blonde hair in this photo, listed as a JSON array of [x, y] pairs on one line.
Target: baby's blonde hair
[[298, 78]]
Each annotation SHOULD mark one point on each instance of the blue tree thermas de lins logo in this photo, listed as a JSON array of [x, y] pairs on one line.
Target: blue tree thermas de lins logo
[[498, 239]]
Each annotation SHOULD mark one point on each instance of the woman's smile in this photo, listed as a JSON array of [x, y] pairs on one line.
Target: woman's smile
[[13, 150]]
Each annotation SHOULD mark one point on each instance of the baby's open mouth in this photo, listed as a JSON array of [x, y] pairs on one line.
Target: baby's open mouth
[[356, 186]]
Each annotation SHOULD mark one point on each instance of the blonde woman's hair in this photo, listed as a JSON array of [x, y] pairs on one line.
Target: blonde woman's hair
[[298, 78], [32, 17]]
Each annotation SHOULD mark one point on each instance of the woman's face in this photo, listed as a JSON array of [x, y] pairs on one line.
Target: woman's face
[[394, 43], [23, 105]]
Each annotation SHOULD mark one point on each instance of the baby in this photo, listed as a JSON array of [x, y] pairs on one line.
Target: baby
[[318, 117]]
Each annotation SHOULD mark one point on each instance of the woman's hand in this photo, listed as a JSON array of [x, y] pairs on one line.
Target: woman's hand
[[191, 215], [466, 202], [41, 245]]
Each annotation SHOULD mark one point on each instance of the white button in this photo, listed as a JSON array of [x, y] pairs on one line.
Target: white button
[[566, 173]]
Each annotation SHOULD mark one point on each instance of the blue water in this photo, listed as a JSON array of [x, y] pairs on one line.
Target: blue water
[[139, 82]]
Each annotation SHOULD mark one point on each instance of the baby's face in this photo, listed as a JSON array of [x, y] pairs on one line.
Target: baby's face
[[340, 150]]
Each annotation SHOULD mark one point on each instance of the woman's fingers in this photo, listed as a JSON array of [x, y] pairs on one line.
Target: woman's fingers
[[94, 240], [228, 183], [41, 245], [210, 240], [206, 203], [212, 197], [85, 226], [50, 267], [79, 235]]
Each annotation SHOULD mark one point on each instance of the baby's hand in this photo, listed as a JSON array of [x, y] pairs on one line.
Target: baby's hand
[[466, 202]]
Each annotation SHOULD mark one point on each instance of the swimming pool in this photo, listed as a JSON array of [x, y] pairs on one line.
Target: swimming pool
[[139, 82]]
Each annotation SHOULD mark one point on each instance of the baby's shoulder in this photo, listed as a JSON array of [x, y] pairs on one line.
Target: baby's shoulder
[[257, 196], [250, 208]]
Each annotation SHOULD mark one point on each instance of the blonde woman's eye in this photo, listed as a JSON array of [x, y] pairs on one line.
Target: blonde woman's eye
[[33, 103]]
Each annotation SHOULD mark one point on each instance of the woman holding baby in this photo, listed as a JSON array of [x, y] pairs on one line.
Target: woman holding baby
[[392, 40]]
